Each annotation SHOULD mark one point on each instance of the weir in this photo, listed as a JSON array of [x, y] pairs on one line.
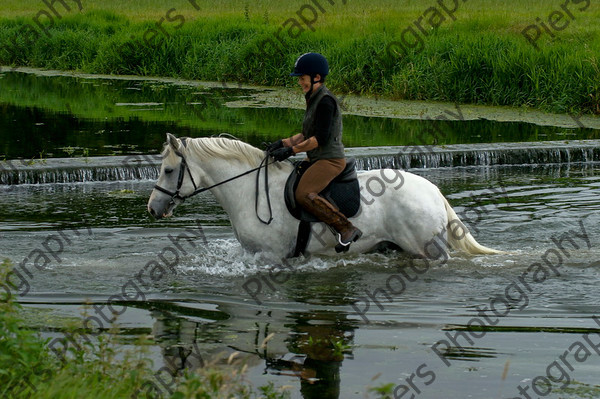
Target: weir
[[145, 167]]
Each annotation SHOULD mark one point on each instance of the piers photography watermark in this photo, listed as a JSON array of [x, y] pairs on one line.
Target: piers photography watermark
[[52, 250], [412, 37], [278, 274], [558, 371], [492, 310], [557, 20], [133, 291], [39, 259], [42, 23], [514, 298]]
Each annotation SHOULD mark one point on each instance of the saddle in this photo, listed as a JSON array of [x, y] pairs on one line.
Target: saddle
[[343, 193]]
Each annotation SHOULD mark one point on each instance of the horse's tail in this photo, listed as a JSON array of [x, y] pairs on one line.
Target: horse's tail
[[460, 238]]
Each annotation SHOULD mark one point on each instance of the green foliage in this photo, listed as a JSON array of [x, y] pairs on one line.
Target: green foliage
[[331, 349], [91, 369], [339, 347], [23, 358], [217, 384], [482, 57], [574, 390], [384, 391]]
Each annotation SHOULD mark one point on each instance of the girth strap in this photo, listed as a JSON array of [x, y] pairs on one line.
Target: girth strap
[[302, 239]]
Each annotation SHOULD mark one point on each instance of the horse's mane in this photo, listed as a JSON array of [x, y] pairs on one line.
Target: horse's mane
[[205, 148]]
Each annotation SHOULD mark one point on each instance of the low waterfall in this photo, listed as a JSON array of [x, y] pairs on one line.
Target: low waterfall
[[145, 167]]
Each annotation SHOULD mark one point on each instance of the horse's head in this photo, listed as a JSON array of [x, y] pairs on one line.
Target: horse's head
[[175, 182]]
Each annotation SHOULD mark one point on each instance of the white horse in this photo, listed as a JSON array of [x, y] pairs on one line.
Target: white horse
[[396, 206]]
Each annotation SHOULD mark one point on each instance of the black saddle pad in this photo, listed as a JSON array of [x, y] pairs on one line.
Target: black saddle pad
[[343, 192]]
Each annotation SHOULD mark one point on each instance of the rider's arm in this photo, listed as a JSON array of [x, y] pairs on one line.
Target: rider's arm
[[306, 145], [294, 140]]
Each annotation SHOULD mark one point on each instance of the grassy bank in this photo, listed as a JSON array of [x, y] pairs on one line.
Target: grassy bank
[[476, 54]]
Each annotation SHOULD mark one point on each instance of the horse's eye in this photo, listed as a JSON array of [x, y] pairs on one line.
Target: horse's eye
[[168, 170]]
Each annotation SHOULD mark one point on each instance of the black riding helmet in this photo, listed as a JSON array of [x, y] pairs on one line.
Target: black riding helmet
[[311, 64]]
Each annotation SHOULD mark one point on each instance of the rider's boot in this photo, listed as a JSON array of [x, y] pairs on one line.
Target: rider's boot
[[329, 215]]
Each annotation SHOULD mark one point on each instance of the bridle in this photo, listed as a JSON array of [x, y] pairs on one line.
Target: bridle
[[184, 167]]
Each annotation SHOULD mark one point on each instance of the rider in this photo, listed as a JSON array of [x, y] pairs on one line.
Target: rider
[[321, 139]]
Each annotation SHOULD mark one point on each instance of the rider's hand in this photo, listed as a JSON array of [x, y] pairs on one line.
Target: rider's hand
[[281, 154], [274, 146]]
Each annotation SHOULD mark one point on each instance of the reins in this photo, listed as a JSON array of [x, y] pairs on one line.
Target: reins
[[184, 166], [266, 162]]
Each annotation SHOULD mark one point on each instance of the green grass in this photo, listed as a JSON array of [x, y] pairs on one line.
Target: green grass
[[482, 57]]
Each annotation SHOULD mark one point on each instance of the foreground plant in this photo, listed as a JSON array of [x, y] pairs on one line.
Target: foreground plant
[[90, 369]]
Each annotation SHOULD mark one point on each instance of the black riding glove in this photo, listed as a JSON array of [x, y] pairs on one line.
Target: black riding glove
[[274, 146], [282, 153]]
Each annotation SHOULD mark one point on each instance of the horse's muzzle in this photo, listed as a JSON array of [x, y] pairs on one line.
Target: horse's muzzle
[[167, 211], [154, 214]]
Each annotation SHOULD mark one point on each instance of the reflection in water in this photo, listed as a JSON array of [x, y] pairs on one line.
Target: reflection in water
[[312, 351], [311, 348], [63, 116], [324, 338], [315, 331]]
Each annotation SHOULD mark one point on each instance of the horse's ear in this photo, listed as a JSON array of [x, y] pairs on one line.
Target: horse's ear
[[172, 140]]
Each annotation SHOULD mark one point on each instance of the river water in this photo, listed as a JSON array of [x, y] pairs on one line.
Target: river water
[[476, 326]]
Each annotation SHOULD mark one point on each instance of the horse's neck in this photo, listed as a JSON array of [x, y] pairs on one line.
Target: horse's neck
[[237, 196]]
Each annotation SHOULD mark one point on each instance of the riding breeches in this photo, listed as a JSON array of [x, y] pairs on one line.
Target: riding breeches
[[317, 177]]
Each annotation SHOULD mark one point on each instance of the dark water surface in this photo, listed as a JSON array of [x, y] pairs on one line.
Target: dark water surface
[[97, 237], [63, 116]]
